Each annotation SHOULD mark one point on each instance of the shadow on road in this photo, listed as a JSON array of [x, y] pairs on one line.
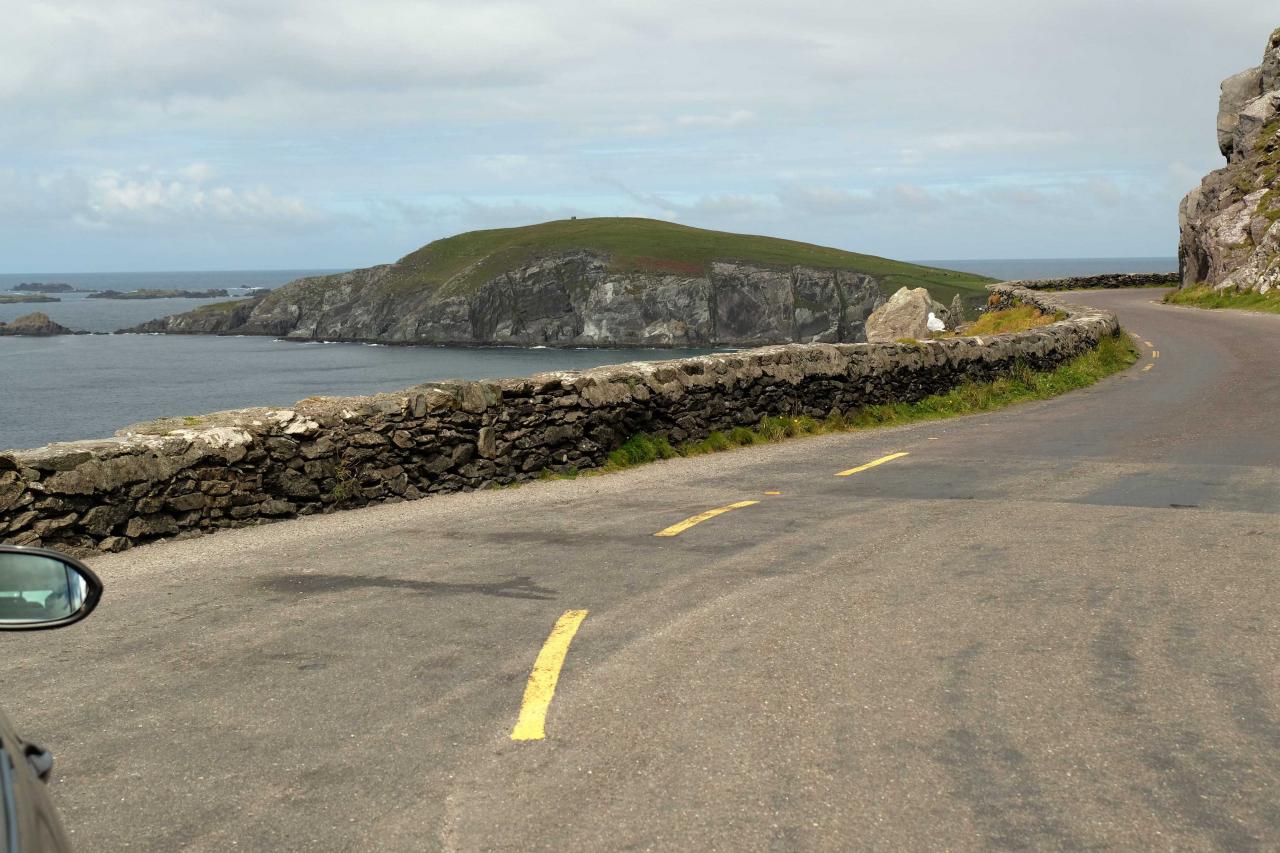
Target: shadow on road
[[315, 584]]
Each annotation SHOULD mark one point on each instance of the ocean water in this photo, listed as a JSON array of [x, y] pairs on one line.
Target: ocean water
[[88, 386], [76, 311], [1015, 269]]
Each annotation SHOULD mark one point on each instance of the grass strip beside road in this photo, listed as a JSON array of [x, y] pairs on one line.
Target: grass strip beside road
[[1022, 384], [1204, 296]]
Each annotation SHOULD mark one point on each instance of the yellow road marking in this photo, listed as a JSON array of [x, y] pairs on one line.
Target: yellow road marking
[[872, 464], [677, 529], [1148, 367], [773, 493], [1148, 343], [542, 681], [1155, 353]]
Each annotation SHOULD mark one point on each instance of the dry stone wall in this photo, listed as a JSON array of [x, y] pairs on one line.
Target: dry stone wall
[[197, 475], [1099, 282]]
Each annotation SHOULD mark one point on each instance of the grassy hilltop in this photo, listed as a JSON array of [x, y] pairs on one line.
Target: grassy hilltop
[[456, 266]]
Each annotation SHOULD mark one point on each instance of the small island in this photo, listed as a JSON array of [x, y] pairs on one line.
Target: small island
[[19, 298], [43, 287], [35, 325], [144, 293]]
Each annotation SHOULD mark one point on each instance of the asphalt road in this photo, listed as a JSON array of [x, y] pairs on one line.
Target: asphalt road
[[1050, 627]]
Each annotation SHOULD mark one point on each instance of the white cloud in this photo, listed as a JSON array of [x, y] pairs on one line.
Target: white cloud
[[806, 118], [143, 198], [732, 118], [998, 138]]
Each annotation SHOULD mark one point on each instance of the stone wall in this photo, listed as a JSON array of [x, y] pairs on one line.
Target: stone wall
[[1099, 282], [196, 475]]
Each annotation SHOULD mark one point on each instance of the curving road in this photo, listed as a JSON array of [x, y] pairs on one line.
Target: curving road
[[1055, 626]]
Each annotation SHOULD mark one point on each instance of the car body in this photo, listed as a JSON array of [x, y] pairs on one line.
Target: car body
[[39, 590]]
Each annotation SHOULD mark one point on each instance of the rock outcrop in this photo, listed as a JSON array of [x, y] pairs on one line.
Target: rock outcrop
[[35, 325], [145, 293], [1230, 224], [217, 319], [571, 299], [910, 314], [43, 287]]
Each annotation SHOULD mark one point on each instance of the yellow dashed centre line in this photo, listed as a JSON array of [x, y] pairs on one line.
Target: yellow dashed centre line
[[872, 464], [677, 529], [542, 681]]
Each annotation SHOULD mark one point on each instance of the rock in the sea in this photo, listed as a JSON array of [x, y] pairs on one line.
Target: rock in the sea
[[907, 314], [35, 325], [1230, 224]]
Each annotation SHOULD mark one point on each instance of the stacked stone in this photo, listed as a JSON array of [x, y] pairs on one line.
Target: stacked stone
[[1108, 281], [232, 469]]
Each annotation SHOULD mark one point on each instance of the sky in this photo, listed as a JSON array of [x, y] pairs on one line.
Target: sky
[[241, 134]]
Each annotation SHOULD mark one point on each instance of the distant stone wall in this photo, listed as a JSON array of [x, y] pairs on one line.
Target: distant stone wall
[[1101, 282], [190, 476]]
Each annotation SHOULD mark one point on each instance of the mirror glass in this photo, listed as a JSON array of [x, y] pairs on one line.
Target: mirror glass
[[38, 589]]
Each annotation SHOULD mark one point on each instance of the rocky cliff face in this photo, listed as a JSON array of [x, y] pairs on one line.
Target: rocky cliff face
[[571, 299], [207, 320], [1231, 223]]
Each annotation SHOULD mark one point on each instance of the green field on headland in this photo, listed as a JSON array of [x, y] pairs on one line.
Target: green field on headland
[[460, 264]]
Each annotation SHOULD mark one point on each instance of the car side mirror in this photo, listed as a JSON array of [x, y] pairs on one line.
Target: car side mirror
[[41, 589]]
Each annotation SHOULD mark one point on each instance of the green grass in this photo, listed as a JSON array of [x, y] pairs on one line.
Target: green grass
[[1020, 318], [221, 307], [1022, 384], [1203, 296], [460, 264]]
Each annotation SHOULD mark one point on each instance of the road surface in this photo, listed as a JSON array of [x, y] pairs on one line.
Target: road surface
[[1054, 626]]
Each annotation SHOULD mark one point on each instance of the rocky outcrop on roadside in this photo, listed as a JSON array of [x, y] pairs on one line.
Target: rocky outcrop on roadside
[[34, 325], [1230, 224], [570, 299], [911, 314]]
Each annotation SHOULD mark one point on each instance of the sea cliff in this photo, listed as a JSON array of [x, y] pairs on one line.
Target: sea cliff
[[637, 283]]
